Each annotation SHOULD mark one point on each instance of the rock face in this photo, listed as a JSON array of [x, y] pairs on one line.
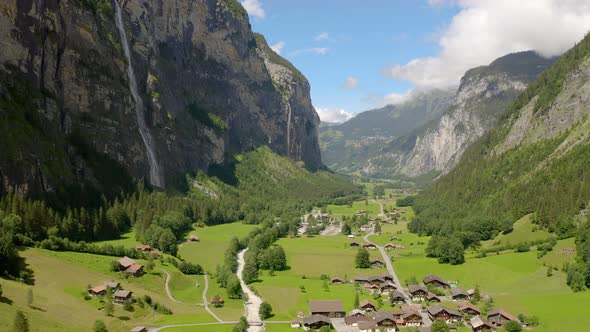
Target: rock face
[[209, 87], [481, 99]]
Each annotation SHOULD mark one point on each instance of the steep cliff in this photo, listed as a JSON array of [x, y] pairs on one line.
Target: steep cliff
[[206, 88], [481, 99]]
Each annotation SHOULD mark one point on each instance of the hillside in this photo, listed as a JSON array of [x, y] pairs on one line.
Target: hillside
[[534, 162], [93, 96], [479, 103], [346, 147]]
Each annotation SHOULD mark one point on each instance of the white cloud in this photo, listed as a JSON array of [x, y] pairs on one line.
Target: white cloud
[[312, 50], [392, 98], [350, 83], [333, 115], [322, 36], [484, 30], [278, 47], [254, 8]]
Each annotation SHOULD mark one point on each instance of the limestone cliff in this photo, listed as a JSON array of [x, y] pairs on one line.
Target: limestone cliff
[[209, 89]]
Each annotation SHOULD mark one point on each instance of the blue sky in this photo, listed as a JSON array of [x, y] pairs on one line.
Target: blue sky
[[359, 55]]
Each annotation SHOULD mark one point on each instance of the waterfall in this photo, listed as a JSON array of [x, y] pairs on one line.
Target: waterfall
[[289, 130], [155, 175]]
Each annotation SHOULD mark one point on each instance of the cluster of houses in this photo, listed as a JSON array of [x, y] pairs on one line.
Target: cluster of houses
[[148, 249], [120, 296], [372, 246], [130, 267]]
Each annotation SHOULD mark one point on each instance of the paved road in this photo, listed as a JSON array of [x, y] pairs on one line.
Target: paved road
[[254, 301]]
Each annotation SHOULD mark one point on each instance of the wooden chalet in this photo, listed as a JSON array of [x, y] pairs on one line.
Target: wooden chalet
[[431, 297], [125, 263], [122, 296], [100, 290], [373, 288], [112, 285], [354, 244], [392, 246], [411, 319], [387, 287], [385, 321], [499, 318], [397, 297], [459, 295], [477, 324], [376, 280], [370, 246], [327, 308], [361, 279], [436, 281], [377, 263], [143, 247], [216, 301], [469, 309], [315, 322], [135, 270], [367, 326], [337, 281], [193, 238], [450, 316], [355, 320], [387, 277], [356, 313], [367, 306], [418, 292]]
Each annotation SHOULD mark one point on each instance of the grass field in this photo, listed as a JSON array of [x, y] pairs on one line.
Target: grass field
[[127, 240], [308, 259], [523, 231], [340, 210], [209, 252]]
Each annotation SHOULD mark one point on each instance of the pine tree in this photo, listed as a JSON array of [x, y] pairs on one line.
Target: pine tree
[[356, 300], [362, 260], [109, 308], [21, 323]]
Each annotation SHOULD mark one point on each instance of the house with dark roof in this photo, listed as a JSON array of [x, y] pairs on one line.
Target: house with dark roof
[[377, 263], [478, 324], [99, 290], [367, 306], [411, 318], [135, 270], [125, 263], [361, 279], [499, 318], [431, 297], [193, 238], [122, 296], [385, 321], [387, 277], [355, 320], [376, 280], [459, 295], [143, 247], [354, 244], [356, 313], [112, 285], [418, 292], [387, 287], [327, 308], [469, 309], [371, 246], [367, 326], [397, 297], [436, 281], [372, 288], [448, 315], [337, 281], [316, 322]]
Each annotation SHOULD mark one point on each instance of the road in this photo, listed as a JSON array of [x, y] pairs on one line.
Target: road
[[382, 214], [168, 288], [425, 319], [206, 303], [254, 301]]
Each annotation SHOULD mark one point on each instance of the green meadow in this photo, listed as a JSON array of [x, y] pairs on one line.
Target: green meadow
[[523, 231], [340, 210]]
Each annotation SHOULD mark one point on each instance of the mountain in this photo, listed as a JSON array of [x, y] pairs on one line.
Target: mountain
[[534, 162], [347, 146], [94, 95], [480, 101]]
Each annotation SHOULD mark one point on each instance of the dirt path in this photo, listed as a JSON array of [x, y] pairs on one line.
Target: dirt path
[[254, 301], [206, 303], [382, 213], [168, 288], [160, 328]]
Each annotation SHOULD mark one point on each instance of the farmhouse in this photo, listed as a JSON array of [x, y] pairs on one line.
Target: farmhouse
[[431, 297], [361, 279], [469, 309], [367, 306], [376, 280], [193, 238], [337, 281], [355, 320], [135, 270], [477, 324], [367, 326], [369, 246], [122, 296], [397, 297], [98, 290], [373, 288], [436, 281], [499, 318], [315, 322], [216, 301], [459, 294], [125, 263], [440, 312], [385, 320], [411, 318], [356, 313], [417, 292], [143, 247], [112, 285], [354, 244], [387, 277], [387, 287], [377, 263], [327, 308], [139, 329]]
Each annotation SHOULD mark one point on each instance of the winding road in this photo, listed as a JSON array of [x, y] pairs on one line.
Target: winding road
[[253, 305]]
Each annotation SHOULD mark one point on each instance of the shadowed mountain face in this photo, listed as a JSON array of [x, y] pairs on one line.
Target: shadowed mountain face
[[207, 87]]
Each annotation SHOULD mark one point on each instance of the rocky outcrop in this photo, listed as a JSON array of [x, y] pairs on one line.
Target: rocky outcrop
[[481, 99], [208, 86]]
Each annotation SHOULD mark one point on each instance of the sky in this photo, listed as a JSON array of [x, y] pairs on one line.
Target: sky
[[359, 55]]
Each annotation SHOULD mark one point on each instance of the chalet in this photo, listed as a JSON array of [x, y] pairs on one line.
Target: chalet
[[139, 329], [143, 247], [387, 287], [327, 308], [337, 281], [411, 318], [390, 246], [367, 306], [397, 297], [125, 263], [448, 315], [356, 313], [135, 270], [155, 253], [354, 244], [112, 285], [373, 288], [431, 297], [193, 238], [369, 246], [436, 281], [376, 280], [122, 296], [418, 292], [361, 279], [316, 322], [469, 309], [387, 277], [377, 263], [477, 324], [355, 320], [367, 326], [498, 318], [216, 301], [98, 290], [296, 323], [385, 321], [366, 228], [459, 294]]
